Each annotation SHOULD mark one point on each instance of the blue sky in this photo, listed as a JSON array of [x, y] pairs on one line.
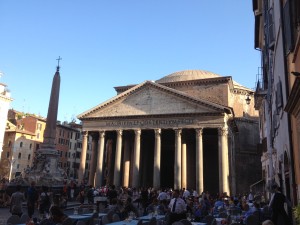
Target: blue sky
[[111, 43]]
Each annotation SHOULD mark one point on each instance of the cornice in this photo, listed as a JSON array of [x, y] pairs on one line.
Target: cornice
[[152, 116], [9, 99]]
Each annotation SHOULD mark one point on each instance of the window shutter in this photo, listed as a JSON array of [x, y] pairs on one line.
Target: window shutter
[[287, 27]]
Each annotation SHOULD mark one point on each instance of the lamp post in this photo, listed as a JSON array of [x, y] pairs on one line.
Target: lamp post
[[248, 99]]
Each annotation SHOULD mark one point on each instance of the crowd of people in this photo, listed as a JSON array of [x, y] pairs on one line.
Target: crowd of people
[[174, 204]]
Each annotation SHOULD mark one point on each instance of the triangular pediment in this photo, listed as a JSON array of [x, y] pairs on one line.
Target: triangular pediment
[[150, 98]]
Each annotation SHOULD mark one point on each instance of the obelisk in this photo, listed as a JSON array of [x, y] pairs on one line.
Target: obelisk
[[45, 169]]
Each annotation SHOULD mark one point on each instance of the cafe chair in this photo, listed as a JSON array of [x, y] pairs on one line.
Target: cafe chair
[[85, 210], [105, 220], [152, 221], [223, 215], [140, 222], [80, 222], [177, 223], [115, 218], [186, 222], [252, 220], [24, 218], [213, 222], [13, 219], [208, 219]]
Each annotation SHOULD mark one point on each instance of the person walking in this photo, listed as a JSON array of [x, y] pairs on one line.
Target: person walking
[[44, 202], [16, 201], [32, 197], [279, 215], [177, 208]]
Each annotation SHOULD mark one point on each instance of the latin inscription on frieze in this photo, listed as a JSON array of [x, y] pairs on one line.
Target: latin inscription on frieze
[[149, 122]]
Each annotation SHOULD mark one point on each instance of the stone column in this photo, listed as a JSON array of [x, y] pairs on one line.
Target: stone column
[[157, 155], [126, 165], [93, 161], [136, 158], [81, 170], [99, 169], [223, 160], [177, 161], [183, 164], [117, 170], [199, 161]]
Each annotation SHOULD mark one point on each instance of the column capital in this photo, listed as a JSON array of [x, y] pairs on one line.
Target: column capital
[[222, 131], [101, 133], [199, 131], [84, 133], [137, 131], [178, 132], [119, 132], [157, 132]]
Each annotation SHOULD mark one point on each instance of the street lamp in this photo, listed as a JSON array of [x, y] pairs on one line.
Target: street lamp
[[248, 99]]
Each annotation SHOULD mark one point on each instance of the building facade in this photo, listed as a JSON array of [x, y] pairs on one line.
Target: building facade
[[23, 137], [276, 36], [5, 100], [191, 129]]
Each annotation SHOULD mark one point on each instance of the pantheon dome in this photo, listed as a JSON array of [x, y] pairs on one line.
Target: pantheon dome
[[187, 75]]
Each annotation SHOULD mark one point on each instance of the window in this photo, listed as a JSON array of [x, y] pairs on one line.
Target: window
[[29, 156], [7, 155], [38, 136], [21, 144], [39, 126], [18, 166], [287, 27], [66, 154], [30, 146], [9, 143], [19, 155]]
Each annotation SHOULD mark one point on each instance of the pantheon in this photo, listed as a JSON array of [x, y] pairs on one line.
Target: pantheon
[[190, 129]]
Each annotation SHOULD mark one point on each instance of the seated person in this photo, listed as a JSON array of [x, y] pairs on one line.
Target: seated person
[[152, 207], [200, 211], [218, 205], [58, 217], [128, 207]]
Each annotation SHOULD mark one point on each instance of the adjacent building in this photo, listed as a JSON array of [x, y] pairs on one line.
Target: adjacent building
[[277, 92], [23, 137]]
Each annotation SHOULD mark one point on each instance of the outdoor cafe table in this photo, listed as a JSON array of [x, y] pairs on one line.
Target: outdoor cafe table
[[198, 223], [148, 217], [78, 217], [91, 214], [125, 222]]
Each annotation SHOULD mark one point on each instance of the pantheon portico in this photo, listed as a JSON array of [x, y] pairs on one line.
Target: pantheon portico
[[176, 132]]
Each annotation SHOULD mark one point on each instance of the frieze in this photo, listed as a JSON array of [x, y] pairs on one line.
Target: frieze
[[149, 122]]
